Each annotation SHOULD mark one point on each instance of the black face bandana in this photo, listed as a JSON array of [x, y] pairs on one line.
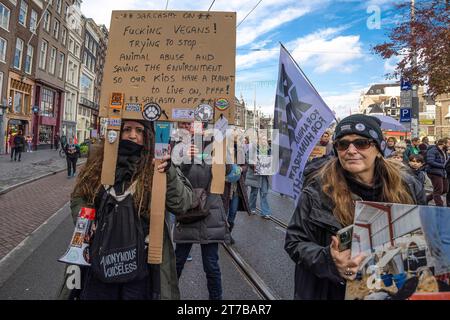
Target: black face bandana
[[129, 148]]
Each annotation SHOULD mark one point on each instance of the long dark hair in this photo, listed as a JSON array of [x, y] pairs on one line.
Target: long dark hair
[[89, 180]]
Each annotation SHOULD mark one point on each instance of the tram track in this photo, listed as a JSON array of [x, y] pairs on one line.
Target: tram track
[[260, 287], [255, 281], [277, 221]]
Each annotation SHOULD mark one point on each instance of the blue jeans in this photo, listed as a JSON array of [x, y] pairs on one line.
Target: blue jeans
[[263, 190], [210, 258], [232, 210]]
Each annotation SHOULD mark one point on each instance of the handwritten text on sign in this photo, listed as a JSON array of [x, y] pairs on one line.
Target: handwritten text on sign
[[175, 59]]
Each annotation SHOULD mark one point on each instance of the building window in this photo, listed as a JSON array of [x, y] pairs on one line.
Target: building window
[[86, 87], [71, 42], [23, 13], [1, 85], [77, 50], [18, 54], [47, 18], [43, 54], [4, 17], [47, 102], [29, 59], [58, 6], [33, 21], [3, 45], [17, 101], [61, 65], [56, 29], [64, 36], [20, 101], [52, 63]]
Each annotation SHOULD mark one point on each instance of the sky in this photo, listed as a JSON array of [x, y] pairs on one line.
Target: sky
[[331, 40]]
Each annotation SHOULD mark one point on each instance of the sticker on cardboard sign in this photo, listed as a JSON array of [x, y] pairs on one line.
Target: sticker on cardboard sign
[[203, 113], [182, 114], [116, 99], [152, 111], [114, 122], [133, 107], [222, 104], [112, 136]]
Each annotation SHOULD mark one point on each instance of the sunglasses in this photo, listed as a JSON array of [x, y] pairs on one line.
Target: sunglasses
[[360, 144]]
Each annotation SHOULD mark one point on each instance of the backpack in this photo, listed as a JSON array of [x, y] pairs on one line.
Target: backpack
[[18, 141], [117, 250]]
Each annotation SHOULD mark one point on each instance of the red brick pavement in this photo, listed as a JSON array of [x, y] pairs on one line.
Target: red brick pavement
[[24, 209]]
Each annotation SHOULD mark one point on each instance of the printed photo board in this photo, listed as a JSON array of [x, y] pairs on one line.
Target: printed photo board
[[171, 62], [405, 251]]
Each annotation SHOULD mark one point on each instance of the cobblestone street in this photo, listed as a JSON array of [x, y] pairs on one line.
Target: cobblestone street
[[33, 164]]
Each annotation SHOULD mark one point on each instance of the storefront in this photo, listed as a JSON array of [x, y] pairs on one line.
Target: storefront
[[18, 117], [46, 119], [14, 126], [45, 135]]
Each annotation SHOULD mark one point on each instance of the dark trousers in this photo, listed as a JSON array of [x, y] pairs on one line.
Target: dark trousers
[[13, 152], [16, 151], [440, 186], [210, 258], [71, 166], [232, 210]]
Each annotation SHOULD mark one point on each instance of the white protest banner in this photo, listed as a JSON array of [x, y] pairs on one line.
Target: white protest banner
[[301, 117]]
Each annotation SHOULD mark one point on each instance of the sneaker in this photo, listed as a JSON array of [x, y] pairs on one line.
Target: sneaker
[[189, 258], [252, 211], [266, 216]]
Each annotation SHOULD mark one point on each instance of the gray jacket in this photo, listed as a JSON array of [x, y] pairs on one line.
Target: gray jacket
[[214, 228]]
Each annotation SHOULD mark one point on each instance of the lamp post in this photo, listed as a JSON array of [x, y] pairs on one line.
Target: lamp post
[[3, 108]]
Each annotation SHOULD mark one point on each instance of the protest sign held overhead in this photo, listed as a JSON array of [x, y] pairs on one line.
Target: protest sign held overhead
[[172, 60], [301, 117]]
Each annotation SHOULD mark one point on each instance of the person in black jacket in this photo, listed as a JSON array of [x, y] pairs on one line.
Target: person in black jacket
[[327, 204], [436, 160], [72, 154]]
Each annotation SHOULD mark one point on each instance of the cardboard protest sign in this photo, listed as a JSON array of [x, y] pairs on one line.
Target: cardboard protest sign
[[406, 250], [176, 60]]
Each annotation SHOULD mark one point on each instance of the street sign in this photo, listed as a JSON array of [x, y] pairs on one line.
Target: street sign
[[405, 85], [405, 114]]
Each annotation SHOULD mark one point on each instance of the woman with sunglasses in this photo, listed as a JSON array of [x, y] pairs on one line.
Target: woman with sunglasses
[[327, 204]]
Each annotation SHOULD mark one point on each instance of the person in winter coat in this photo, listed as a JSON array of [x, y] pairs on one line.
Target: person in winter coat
[[19, 145], [209, 231], [256, 182], [391, 141], [11, 145], [325, 141], [72, 152], [327, 205], [417, 165], [413, 148], [423, 147], [133, 177], [436, 161]]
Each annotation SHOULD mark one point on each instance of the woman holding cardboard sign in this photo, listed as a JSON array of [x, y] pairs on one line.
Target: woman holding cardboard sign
[[327, 205], [119, 269]]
